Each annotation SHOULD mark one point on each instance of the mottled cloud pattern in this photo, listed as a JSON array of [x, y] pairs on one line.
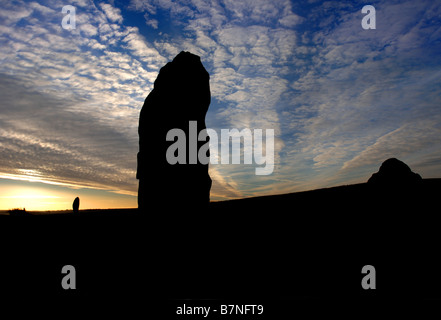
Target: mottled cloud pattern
[[340, 99]]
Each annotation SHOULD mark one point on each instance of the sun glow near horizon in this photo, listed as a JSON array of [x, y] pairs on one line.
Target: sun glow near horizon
[[35, 196], [32, 199]]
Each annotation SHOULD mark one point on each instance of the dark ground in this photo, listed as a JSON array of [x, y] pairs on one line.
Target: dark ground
[[291, 253]]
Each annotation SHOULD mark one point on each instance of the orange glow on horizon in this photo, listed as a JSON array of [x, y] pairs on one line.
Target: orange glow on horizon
[[31, 199], [41, 199]]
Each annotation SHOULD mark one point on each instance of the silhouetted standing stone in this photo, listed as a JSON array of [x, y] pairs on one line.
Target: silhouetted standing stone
[[76, 205], [181, 94], [394, 172]]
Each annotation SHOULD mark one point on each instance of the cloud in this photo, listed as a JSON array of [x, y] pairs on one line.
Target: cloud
[[151, 22], [112, 13], [42, 9], [366, 96], [12, 16], [410, 138], [223, 187], [291, 20], [88, 29], [332, 91], [263, 12], [38, 124], [71, 98], [137, 44]]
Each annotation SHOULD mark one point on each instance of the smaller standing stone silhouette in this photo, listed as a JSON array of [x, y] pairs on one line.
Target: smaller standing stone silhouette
[[394, 173], [76, 205]]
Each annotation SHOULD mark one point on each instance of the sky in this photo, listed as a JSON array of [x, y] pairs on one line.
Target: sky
[[341, 99]]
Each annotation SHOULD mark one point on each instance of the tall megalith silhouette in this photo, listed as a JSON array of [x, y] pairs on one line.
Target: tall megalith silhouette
[[180, 97]]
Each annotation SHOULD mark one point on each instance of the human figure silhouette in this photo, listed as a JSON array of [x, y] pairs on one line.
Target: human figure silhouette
[[181, 94]]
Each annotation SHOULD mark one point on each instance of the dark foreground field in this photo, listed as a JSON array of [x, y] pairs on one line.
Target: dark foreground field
[[283, 251]]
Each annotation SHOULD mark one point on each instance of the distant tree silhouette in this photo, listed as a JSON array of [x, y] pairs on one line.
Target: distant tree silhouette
[[181, 94], [76, 205]]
